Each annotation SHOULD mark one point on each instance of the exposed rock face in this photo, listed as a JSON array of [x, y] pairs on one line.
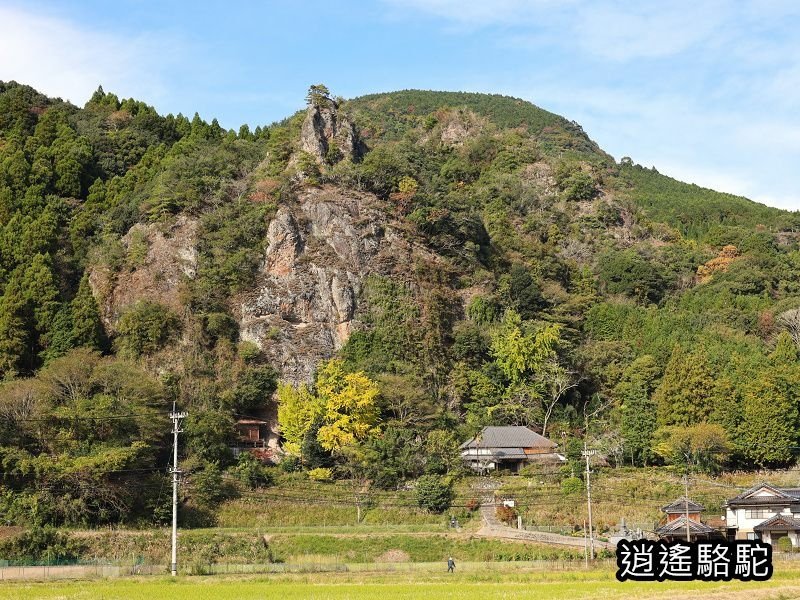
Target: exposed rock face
[[305, 299], [166, 259], [327, 126]]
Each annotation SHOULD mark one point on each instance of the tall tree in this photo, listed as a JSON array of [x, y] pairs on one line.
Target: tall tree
[[634, 395], [685, 395]]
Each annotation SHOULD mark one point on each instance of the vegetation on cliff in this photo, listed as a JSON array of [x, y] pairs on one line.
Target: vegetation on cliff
[[547, 285]]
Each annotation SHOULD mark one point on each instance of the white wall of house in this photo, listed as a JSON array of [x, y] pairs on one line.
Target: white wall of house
[[481, 458]]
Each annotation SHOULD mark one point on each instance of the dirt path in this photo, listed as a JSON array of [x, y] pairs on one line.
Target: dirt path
[[492, 527]]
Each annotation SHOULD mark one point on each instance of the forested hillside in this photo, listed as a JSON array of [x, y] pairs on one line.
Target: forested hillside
[[378, 278]]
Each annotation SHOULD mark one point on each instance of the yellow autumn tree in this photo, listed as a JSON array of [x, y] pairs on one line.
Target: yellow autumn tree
[[298, 408], [350, 406]]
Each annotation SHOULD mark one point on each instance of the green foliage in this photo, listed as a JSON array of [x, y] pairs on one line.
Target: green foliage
[[320, 474], [394, 113], [84, 432], [696, 211], [519, 352], [639, 417], [571, 485], [40, 544], [626, 272], [254, 388], [392, 457], [230, 248], [252, 471], [146, 328], [575, 183], [686, 393], [434, 493], [319, 96], [769, 434], [703, 446]]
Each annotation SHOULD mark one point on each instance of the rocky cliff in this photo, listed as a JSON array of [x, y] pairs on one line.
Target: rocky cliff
[[305, 301], [329, 135]]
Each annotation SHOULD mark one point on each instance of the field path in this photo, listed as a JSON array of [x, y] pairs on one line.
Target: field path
[[492, 527]]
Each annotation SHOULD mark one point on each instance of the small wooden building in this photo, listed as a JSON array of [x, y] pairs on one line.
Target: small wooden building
[[252, 433]]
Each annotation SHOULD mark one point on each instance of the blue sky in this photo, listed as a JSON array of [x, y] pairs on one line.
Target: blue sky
[[707, 91]]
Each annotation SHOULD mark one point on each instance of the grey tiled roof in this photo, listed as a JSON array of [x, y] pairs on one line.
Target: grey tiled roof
[[679, 526], [679, 507], [781, 496], [510, 436], [779, 522]]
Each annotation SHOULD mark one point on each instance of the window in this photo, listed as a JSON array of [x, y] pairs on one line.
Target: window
[[757, 513], [753, 536]]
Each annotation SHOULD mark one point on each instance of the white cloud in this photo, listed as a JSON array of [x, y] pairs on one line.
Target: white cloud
[[611, 29], [61, 59]]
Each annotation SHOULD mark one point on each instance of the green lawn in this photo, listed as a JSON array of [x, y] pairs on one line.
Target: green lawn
[[478, 581]]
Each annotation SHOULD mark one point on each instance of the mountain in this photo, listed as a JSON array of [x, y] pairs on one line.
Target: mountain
[[386, 273]]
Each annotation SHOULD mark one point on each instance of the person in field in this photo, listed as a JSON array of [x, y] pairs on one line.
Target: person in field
[[451, 565]]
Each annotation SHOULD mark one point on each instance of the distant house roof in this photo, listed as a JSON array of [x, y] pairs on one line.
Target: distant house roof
[[678, 526], [765, 494], [679, 507], [251, 422], [514, 437], [779, 523]]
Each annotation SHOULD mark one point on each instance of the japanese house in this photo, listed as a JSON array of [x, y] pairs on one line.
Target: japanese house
[[764, 512], [674, 528], [508, 447]]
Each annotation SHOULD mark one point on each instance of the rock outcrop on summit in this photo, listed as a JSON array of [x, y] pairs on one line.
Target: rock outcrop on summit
[[328, 134]]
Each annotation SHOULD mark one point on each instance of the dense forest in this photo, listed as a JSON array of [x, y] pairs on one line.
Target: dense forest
[[548, 285]]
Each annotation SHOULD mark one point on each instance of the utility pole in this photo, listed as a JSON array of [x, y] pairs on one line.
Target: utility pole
[[686, 505], [585, 545], [587, 454], [176, 417]]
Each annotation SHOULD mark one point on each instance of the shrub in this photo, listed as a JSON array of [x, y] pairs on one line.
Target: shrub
[[434, 493], [251, 471], [145, 328], [506, 514], [321, 474], [290, 464], [40, 543], [571, 485], [473, 504]]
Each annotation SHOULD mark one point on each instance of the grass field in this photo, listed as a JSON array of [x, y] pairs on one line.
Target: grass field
[[476, 582]]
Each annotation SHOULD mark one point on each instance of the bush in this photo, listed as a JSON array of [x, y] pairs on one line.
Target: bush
[[40, 543], [473, 504], [434, 493], [251, 471], [571, 485], [290, 464], [145, 328], [506, 514], [321, 474]]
